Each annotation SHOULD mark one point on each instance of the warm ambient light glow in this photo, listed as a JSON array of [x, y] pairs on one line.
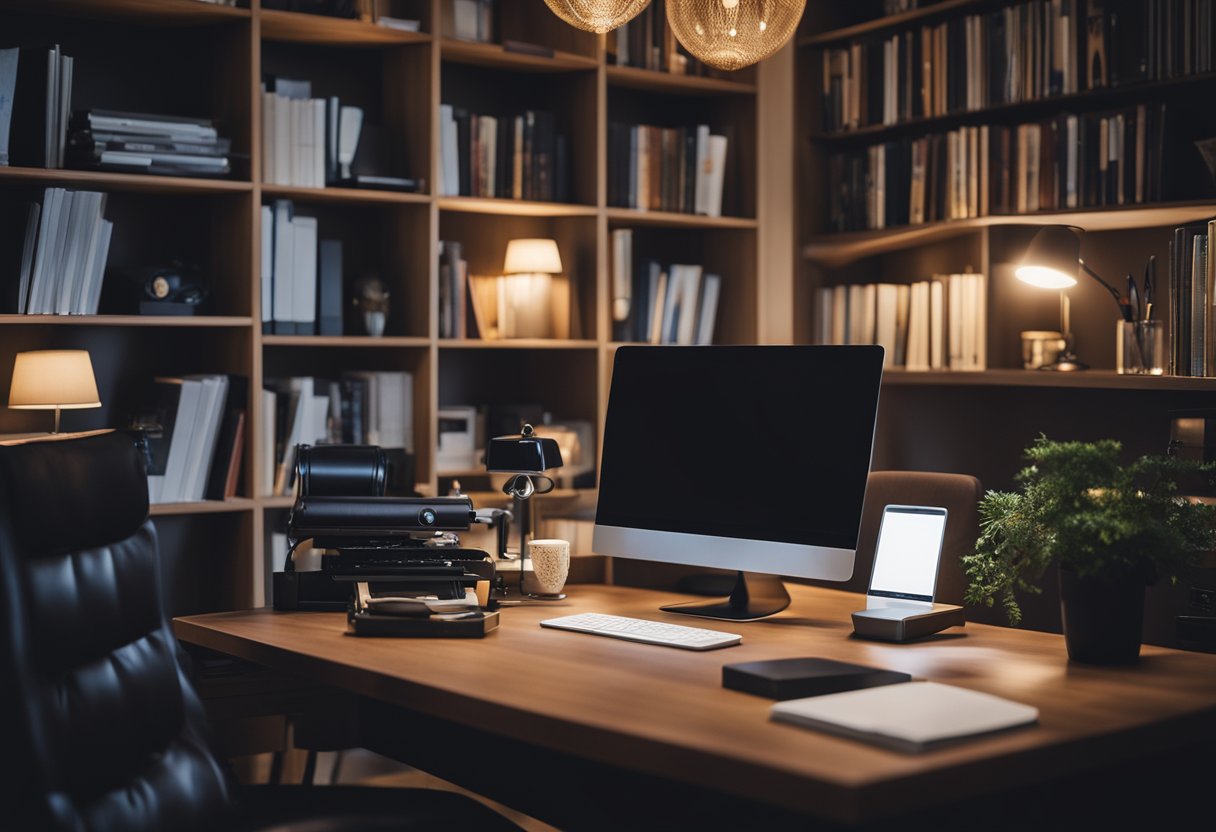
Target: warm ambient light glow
[[597, 16], [732, 34], [532, 256], [53, 379], [1045, 277]]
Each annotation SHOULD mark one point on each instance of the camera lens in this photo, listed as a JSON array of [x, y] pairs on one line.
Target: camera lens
[[427, 517]]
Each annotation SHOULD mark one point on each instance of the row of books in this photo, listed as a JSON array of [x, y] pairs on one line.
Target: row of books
[[938, 324], [195, 431], [648, 42], [509, 157], [679, 169], [1192, 300], [1148, 40], [657, 304], [301, 274], [305, 140], [55, 257], [35, 105], [358, 408], [1070, 161], [453, 290], [147, 143]]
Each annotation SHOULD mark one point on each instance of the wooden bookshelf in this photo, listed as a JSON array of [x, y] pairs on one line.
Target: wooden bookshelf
[[401, 78]]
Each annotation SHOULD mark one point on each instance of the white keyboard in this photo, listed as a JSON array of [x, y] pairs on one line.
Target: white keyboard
[[647, 632]]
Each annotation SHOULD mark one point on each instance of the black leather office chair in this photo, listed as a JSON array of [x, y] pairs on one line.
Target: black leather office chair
[[99, 727]]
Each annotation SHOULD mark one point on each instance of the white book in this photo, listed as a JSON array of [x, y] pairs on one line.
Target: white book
[[104, 234], [391, 408], [910, 717], [711, 287], [937, 325], [686, 326], [202, 448], [82, 288], [981, 321], [304, 269], [48, 232], [134, 124], [954, 301], [267, 275], [282, 140], [840, 315], [79, 221], [318, 420], [903, 304], [317, 177], [857, 315], [449, 161], [869, 299], [284, 269], [301, 391], [886, 307], [701, 194], [659, 288], [671, 305], [179, 444], [269, 171], [822, 333], [301, 139], [266, 475], [145, 159], [918, 328], [622, 273]]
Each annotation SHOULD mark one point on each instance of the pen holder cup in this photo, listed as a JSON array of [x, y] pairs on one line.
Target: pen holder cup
[[1140, 348]]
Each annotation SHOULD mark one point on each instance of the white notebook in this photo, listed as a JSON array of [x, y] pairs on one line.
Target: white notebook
[[910, 717]]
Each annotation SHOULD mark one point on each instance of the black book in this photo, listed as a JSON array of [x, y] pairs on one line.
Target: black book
[[156, 420], [33, 135], [463, 150], [229, 446], [93, 143], [18, 246], [329, 287]]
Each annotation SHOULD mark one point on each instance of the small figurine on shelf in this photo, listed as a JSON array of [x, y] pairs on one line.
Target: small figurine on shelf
[[371, 299]]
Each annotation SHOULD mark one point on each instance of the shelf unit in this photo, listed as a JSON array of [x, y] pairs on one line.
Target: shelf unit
[[979, 422], [217, 551]]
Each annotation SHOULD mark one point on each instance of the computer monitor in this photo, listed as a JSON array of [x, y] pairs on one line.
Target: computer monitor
[[746, 458]]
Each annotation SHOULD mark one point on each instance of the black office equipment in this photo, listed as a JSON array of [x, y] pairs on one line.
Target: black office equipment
[[383, 548], [796, 678]]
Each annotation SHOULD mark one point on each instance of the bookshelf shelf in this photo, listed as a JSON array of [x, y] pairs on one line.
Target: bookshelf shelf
[[649, 80], [869, 27], [322, 30], [362, 341], [230, 506], [163, 321], [277, 502], [516, 344], [840, 249], [670, 219], [146, 11], [344, 195], [513, 207], [1089, 379], [134, 182], [498, 56]]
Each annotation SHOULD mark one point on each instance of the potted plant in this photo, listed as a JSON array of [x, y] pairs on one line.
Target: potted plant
[[1113, 528]]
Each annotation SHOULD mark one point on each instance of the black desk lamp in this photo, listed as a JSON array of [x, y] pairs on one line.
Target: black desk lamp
[[1051, 262], [527, 456]]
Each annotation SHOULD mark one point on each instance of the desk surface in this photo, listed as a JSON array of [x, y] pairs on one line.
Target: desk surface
[[663, 711]]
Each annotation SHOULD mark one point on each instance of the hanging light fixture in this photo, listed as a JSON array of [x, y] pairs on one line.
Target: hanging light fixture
[[597, 16], [732, 34]]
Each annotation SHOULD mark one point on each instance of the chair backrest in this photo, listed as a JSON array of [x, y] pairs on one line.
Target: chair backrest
[[101, 729], [959, 494]]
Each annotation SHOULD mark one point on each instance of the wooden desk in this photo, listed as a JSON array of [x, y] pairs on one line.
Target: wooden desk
[[663, 713]]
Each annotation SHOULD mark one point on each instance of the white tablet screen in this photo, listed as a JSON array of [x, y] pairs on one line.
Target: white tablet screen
[[909, 545]]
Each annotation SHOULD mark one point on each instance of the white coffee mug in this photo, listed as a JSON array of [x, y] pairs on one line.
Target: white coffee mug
[[550, 565]]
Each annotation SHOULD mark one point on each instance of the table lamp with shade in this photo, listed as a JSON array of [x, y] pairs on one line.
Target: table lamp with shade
[[53, 380], [525, 307], [1051, 262]]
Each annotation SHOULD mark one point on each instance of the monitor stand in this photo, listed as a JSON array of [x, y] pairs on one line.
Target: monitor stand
[[754, 596]]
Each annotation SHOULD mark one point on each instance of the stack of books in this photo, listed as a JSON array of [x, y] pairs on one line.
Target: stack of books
[[660, 304], [937, 324], [509, 157], [301, 275], [360, 408], [679, 169], [147, 143], [1148, 40], [648, 42], [1070, 161], [55, 256], [35, 104], [195, 430], [1192, 300]]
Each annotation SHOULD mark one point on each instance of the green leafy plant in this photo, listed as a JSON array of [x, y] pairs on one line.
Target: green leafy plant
[[1080, 506]]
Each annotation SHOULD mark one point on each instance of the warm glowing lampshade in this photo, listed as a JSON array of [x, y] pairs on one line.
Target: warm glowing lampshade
[[53, 380], [732, 34], [532, 256], [1051, 259], [597, 16]]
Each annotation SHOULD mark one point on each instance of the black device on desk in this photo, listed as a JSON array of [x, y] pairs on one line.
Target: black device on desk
[[384, 546]]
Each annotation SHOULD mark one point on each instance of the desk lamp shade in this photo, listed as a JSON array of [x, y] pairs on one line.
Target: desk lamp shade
[[1052, 258], [732, 34], [527, 293], [597, 16], [523, 453], [532, 256], [53, 380]]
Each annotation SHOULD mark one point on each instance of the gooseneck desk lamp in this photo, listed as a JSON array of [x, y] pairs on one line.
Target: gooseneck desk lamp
[[1051, 262], [527, 456]]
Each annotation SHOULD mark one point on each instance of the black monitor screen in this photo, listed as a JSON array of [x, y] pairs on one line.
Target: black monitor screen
[[756, 443]]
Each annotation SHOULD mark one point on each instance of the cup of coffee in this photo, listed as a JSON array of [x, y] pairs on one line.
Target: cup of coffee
[[550, 566]]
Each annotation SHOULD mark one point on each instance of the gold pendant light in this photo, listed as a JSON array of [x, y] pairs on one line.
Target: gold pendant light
[[732, 34], [597, 16]]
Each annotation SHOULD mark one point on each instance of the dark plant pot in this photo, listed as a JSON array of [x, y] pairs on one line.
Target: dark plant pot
[[1102, 618]]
